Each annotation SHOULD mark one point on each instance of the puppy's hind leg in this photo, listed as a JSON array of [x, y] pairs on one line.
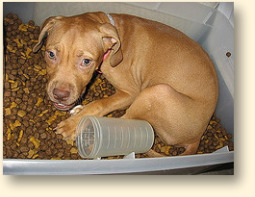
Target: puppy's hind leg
[[168, 112]]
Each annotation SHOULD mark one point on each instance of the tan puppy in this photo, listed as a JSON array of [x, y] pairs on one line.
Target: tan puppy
[[162, 75]]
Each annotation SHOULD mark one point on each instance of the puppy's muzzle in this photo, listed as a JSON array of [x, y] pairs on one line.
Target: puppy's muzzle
[[61, 94], [61, 98]]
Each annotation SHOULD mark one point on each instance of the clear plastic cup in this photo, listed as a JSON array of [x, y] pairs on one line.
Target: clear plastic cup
[[101, 137]]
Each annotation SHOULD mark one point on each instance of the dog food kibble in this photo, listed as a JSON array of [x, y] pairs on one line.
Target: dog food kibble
[[30, 118]]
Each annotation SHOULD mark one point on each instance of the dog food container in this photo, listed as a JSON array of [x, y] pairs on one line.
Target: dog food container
[[101, 137], [210, 24]]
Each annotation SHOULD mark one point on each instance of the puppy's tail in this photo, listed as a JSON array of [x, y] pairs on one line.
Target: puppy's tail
[[152, 153], [191, 149]]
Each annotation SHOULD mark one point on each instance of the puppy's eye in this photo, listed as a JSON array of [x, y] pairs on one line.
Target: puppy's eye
[[86, 62], [51, 55]]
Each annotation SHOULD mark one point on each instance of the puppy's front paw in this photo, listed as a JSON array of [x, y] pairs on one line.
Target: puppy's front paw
[[67, 128]]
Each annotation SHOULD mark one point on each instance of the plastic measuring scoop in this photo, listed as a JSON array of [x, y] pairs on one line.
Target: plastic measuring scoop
[[101, 137]]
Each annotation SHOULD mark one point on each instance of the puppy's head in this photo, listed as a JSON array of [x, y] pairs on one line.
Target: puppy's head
[[75, 47]]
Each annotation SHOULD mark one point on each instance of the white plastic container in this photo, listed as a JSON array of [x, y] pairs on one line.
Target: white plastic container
[[206, 25], [101, 137]]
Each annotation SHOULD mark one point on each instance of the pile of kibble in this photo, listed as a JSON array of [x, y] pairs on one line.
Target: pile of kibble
[[30, 117]]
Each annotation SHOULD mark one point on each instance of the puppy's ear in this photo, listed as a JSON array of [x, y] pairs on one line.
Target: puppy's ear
[[111, 41], [45, 29]]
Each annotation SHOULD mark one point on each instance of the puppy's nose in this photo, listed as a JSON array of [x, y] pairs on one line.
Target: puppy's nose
[[61, 94]]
